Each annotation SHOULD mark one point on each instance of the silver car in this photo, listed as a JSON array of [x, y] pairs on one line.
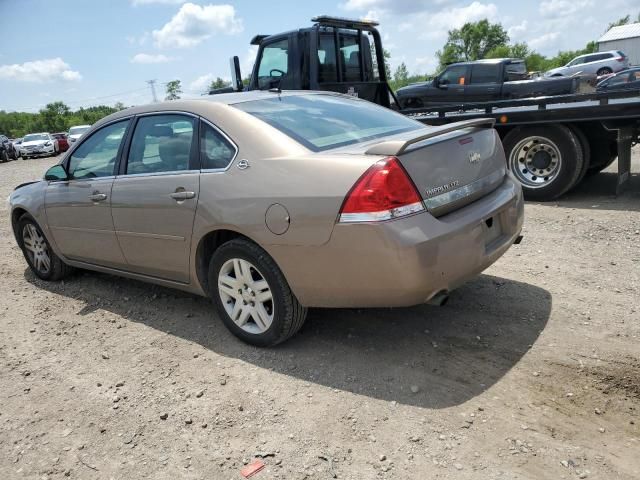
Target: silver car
[[598, 63], [270, 203], [76, 132]]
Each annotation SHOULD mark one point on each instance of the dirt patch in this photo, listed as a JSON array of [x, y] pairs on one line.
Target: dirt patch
[[531, 371]]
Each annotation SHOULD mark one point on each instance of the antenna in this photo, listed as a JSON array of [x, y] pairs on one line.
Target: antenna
[[152, 84]]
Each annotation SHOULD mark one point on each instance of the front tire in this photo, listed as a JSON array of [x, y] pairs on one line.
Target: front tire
[[37, 251], [547, 161], [604, 71], [252, 296]]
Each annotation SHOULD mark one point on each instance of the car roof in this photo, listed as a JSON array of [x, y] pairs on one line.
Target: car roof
[[491, 61]]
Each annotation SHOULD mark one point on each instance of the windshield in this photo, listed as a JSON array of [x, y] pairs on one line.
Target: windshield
[[78, 130], [35, 137], [321, 122]]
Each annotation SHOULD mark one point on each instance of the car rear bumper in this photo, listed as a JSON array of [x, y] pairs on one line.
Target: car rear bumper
[[407, 261]]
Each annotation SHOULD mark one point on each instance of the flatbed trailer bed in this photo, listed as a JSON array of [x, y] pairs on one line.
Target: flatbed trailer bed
[[595, 118]]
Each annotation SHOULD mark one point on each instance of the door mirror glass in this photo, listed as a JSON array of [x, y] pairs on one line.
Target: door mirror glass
[[56, 173]]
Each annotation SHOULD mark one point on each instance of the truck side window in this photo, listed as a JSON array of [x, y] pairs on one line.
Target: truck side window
[[327, 70], [273, 64], [453, 75], [485, 73]]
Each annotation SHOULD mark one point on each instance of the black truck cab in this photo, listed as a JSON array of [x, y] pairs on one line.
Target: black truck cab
[[335, 54]]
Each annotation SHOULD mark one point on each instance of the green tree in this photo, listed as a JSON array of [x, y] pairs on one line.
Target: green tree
[[218, 83], [472, 41], [173, 90], [119, 106]]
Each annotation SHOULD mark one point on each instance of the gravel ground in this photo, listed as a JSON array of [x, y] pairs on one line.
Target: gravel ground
[[531, 371]]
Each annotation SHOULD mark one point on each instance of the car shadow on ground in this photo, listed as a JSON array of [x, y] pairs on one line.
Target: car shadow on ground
[[451, 353]]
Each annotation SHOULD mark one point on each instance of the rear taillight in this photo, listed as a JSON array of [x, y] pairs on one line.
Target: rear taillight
[[385, 191], [620, 59]]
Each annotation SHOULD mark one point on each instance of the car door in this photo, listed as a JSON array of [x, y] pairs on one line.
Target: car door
[[484, 84], [155, 194], [575, 66], [450, 84], [79, 209]]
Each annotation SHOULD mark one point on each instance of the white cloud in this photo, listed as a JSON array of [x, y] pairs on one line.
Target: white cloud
[[543, 41], [40, 71], [202, 83], [398, 6], [147, 58], [516, 31], [194, 23], [563, 8], [136, 3]]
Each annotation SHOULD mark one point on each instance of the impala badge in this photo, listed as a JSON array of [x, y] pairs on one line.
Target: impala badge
[[474, 157]]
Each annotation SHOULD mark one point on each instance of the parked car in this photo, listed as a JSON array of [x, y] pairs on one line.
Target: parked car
[[76, 132], [598, 63], [482, 81], [625, 80], [272, 202], [38, 145], [7, 150], [63, 144]]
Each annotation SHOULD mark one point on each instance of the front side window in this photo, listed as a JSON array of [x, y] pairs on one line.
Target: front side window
[[96, 155], [161, 143], [274, 63], [577, 61], [454, 75], [216, 152], [322, 122]]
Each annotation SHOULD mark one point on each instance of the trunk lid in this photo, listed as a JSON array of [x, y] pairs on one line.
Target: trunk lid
[[451, 166]]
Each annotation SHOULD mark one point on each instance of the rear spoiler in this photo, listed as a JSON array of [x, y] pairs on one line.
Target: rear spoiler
[[398, 147]]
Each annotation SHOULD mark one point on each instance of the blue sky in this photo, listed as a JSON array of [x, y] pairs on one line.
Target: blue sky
[[99, 52]]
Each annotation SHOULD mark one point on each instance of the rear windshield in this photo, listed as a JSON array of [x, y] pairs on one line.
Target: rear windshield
[[322, 122]]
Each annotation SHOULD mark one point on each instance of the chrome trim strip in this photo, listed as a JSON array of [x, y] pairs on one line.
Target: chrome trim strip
[[84, 230], [155, 236], [155, 174], [452, 196], [77, 180]]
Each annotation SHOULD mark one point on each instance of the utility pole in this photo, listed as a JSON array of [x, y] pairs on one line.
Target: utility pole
[[152, 84]]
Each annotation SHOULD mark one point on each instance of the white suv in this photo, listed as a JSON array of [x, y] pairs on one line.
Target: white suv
[[599, 63]]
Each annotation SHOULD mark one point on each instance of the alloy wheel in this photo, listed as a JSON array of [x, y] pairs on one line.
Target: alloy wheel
[[535, 161], [246, 295], [36, 247]]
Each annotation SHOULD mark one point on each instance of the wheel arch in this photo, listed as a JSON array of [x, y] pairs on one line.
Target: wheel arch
[[16, 215]]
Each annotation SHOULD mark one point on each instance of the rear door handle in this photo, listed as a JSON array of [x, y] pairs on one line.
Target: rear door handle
[[178, 196], [97, 197]]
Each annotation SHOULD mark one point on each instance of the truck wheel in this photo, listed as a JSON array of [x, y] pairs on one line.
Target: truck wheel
[[547, 161], [603, 153], [586, 152]]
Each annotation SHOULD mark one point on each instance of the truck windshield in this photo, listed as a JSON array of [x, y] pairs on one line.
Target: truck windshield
[[322, 122]]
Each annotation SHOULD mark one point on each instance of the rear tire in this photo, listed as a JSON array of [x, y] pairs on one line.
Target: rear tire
[[604, 71], [37, 251], [547, 161], [586, 152], [3, 156], [252, 296]]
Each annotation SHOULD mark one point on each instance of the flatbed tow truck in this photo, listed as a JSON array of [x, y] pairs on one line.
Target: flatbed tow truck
[[551, 143]]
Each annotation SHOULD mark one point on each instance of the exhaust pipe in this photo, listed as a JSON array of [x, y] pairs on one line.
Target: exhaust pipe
[[439, 299]]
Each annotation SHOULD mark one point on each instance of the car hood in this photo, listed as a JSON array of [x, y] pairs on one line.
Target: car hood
[[554, 71], [75, 136], [34, 143]]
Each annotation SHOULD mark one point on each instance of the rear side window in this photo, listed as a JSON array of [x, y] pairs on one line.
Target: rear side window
[[161, 143], [485, 73], [327, 70], [216, 152], [349, 56], [322, 122]]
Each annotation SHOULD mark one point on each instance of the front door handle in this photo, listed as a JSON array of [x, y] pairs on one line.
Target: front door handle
[[179, 196], [97, 197]]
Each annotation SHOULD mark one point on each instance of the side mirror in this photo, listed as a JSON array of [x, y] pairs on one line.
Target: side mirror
[[236, 76], [56, 173], [443, 85]]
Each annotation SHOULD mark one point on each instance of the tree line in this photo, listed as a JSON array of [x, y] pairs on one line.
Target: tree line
[[54, 117], [482, 39]]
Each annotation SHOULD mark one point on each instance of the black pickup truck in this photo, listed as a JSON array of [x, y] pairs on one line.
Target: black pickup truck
[[483, 81]]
